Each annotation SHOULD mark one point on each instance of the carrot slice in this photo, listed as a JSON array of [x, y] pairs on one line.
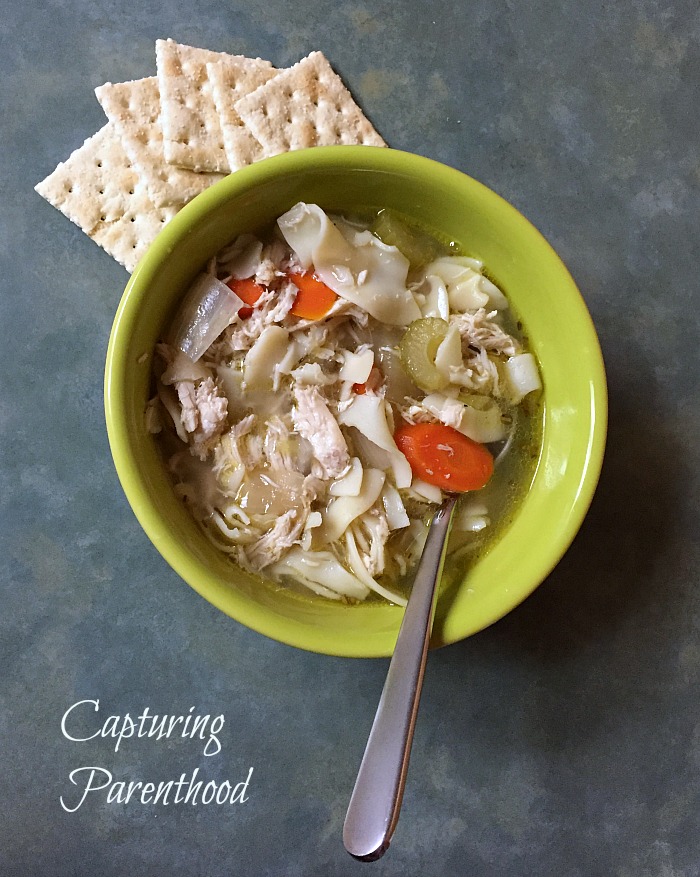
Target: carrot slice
[[247, 290], [314, 298], [444, 457]]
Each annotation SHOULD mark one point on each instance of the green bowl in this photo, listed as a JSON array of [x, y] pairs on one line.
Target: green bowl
[[352, 179]]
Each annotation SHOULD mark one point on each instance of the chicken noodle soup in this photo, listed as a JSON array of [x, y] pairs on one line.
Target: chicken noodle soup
[[321, 386]]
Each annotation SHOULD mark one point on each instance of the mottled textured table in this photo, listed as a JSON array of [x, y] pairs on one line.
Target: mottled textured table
[[563, 741]]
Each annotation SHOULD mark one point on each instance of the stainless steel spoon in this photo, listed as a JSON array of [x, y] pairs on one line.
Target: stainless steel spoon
[[376, 799]]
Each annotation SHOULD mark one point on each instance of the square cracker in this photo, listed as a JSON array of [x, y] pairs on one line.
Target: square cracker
[[231, 79], [306, 105], [127, 238], [99, 190], [192, 135], [134, 109]]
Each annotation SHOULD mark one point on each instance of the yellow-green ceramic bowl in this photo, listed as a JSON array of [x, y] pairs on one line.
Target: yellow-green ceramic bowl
[[351, 179]]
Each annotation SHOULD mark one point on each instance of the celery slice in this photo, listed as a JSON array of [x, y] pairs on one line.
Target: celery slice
[[415, 245], [418, 348]]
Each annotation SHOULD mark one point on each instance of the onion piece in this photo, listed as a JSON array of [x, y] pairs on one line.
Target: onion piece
[[207, 309]]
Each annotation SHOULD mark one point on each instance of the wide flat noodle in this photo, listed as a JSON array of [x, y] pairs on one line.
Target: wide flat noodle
[[306, 105], [99, 190], [192, 135], [231, 79], [134, 109]]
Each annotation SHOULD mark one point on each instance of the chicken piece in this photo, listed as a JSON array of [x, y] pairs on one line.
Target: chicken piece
[[269, 548], [270, 309], [233, 454], [283, 304], [273, 262], [479, 330], [276, 447], [314, 422], [243, 427], [203, 411], [188, 405], [479, 373], [371, 533], [213, 408], [267, 272]]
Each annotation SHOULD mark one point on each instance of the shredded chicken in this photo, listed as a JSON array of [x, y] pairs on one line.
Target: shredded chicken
[[276, 445], [244, 333], [267, 272], [479, 330], [238, 447], [270, 309], [450, 413], [479, 373], [188, 405], [316, 424], [212, 407], [371, 533], [269, 548]]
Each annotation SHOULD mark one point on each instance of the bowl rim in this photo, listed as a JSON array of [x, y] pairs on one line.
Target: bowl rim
[[328, 158]]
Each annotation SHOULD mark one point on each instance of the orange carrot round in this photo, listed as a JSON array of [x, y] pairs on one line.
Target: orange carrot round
[[444, 457], [314, 298]]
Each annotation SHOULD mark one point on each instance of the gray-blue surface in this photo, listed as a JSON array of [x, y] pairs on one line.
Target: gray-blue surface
[[563, 741]]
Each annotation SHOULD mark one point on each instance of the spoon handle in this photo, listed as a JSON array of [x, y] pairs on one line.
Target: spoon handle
[[376, 799]]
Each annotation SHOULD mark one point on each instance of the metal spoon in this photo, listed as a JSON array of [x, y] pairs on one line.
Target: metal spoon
[[376, 799]]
